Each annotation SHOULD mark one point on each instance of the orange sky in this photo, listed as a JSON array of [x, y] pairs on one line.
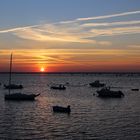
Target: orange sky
[[62, 60], [106, 41]]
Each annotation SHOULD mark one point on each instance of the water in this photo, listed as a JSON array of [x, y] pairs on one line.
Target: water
[[91, 117]]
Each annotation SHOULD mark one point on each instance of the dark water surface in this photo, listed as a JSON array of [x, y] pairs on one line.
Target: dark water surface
[[91, 117]]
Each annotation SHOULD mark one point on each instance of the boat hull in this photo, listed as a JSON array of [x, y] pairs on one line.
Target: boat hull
[[13, 86], [61, 109], [20, 97], [58, 88], [105, 93], [96, 84], [135, 89]]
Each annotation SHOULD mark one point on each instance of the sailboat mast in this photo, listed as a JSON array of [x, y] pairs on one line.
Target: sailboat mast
[[10, 72]]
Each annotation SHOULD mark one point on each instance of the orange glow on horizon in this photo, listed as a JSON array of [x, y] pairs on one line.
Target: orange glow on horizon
[[42, 69], [69, 60]]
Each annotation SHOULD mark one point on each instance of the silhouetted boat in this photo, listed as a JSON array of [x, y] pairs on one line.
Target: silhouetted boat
[[135, 89], [62, 109], [107, 93], [13, 86], [20, 96], [67, 83], [17, 96], [96, 84], [59, 87]]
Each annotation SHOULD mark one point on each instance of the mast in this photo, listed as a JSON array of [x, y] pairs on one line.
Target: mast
[[10, 72]]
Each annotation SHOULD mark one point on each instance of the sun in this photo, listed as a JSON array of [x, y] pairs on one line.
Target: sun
[[42, 69]]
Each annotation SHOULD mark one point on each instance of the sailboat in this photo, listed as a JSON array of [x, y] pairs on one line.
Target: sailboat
[[17, 96], [12, 86]]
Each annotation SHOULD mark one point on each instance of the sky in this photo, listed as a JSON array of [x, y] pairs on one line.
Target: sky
[[70, 35]]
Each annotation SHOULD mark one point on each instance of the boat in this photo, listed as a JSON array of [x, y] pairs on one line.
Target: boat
[[135, 89], [59, 87], [107, 93], [20, 96], [13, 86], [62, 109], [17, 96], [97, 84]]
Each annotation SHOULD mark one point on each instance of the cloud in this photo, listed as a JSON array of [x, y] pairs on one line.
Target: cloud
[[38, 35], [17, 29], [115, 31], [134, 47], [75, 31], [104, 43], [111, 23], [109, 16]]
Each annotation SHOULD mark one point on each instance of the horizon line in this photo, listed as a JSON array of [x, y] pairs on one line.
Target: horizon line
[[71, 72]]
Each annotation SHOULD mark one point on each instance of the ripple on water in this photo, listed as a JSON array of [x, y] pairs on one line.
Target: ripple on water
[[91, 117]]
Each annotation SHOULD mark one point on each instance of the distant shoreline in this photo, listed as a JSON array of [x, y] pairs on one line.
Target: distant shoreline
[[71, 72]]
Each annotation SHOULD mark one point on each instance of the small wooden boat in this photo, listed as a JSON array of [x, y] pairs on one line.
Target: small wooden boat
[[62, 109], [96, 84], [60, 87], [13, 86], [107, 93]]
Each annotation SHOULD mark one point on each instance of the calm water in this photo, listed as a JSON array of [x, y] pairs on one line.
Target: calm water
[[91, 117]]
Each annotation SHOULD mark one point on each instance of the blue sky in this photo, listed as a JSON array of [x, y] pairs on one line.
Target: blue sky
[[71, 35], [27, 12]]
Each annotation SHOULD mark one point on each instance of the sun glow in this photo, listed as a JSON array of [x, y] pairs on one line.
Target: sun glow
[[42, 69]]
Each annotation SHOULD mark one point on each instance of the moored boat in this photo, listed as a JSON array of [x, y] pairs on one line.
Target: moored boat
[[20, 96], [62, 109], [13, 86], [107, 93], [135, 89], [17, 96], [96, 84], [59, 87]]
